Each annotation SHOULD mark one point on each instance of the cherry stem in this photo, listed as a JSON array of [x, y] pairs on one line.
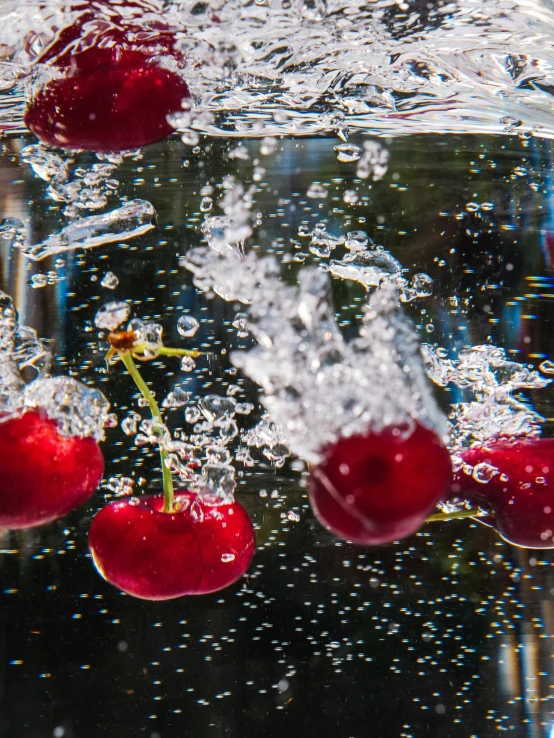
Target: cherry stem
[[458, 515], [156, 416], [139, 348]]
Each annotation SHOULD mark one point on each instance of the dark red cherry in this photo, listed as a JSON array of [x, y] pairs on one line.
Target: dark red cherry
[[153, 555], [44, 474], [379, 487], [110, 92], [514, 478]]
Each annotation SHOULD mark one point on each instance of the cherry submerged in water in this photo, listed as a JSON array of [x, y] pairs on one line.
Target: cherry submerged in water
[[378, 487], [517, 484], [44, 474], [153, 555], [112, 92]]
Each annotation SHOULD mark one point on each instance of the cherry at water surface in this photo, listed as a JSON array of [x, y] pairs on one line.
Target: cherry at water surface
[[375, 488], [519, 490], [113, 93], [198, 549], [44, 474]]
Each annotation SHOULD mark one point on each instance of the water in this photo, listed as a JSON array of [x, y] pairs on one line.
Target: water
[[445, 633]]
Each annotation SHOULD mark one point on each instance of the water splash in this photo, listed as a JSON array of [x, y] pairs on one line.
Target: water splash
[[303, 362], [129, 221], [291, 67], [77, 409], [493, 383]]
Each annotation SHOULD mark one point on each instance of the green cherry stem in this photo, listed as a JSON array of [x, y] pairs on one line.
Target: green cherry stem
[[133, 370], [459, 515], [140, 350]]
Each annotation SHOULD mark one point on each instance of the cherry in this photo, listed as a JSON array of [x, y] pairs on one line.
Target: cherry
[[519, 490], [111, 95], [197, 549], [378, 487], [44, 474]]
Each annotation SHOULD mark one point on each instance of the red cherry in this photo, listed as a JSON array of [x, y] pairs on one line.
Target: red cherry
[[153, 555], [112, 95], [379, 487], [44, 474], [520, 490]]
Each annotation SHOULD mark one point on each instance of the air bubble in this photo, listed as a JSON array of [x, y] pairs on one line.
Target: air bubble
[[187, 326]]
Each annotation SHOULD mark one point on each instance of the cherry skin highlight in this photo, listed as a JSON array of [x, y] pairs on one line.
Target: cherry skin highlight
[[112, 95], [379, 487], [520, 490], [153, 555], [44, 474]]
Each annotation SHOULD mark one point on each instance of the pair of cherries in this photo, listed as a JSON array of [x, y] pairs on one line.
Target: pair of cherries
[[199, 548], [377, 488], [112, 78]]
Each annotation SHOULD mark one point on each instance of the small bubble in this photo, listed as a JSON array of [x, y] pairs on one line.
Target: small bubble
[[268, 145], [109, 281], [350, 197], [38, 281], [484, 472], [187, 363], [316, 191], [547, 367], [348, 152], [112, 315], [187, 326]]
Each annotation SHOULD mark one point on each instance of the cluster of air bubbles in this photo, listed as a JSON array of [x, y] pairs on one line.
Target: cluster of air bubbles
[[302, 360], [366, 262], [22, 354], [120, 486], [230, 230], [43, 280], [77, 409], [493, 384], [267, 437], [89, 189], [373, 162]]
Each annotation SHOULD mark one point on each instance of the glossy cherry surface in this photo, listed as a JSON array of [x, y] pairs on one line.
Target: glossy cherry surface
[[110, 92], [153, 555], [519, 490], [379, 487], [44, 475]]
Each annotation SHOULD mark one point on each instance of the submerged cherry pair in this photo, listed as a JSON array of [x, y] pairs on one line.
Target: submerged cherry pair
[[199, 548], [377, 488]]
